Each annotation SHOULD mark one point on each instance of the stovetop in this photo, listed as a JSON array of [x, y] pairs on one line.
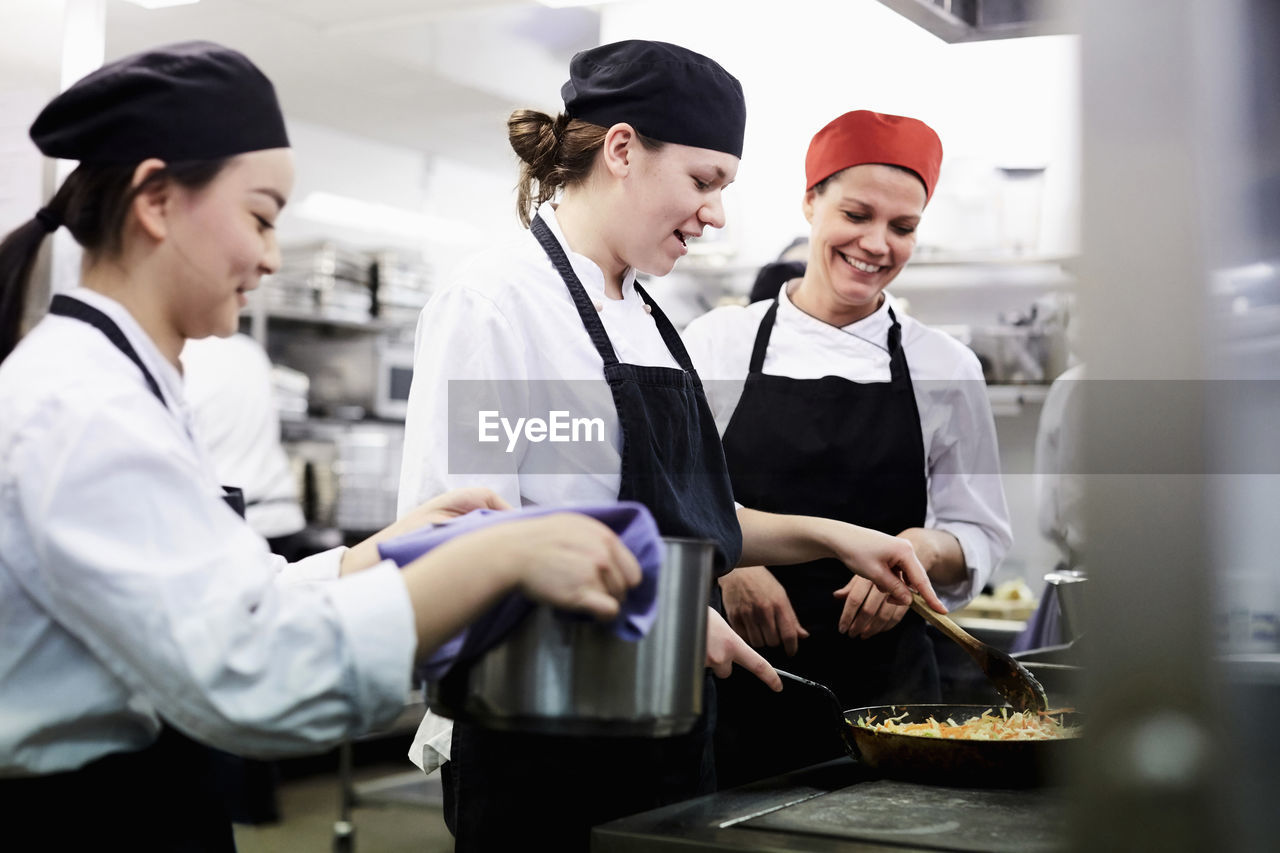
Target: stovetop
[[839, 807]]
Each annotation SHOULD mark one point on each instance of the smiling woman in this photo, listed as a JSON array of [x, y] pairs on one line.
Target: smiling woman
[[863, 232], [224, 241], [632, 170], [141, 619], [850, 410]]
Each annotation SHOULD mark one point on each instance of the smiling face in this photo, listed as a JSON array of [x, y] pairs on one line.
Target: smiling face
[[222, 240], [673, 195], [863, 232]]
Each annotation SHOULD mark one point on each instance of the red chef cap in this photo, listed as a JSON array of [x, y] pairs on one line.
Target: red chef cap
[[866, 137]]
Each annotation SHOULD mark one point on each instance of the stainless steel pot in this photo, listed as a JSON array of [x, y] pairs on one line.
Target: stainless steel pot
[[559, 676]]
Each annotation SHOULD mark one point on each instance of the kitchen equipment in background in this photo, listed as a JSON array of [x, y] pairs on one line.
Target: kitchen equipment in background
[[567, 675], [290, 389], [333, 281], [348, 473], [401, 285], [325, 279], [1011, 600], [311, 459], [1069, 586], [371, 372], [1009, 355], [367, 475], [1030, 348]]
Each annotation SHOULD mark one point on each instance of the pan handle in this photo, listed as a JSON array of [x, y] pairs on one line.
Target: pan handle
[[844, 727]]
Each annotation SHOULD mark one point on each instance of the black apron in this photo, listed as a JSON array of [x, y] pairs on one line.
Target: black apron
[[838, 449], [163, 798], [508, 790]]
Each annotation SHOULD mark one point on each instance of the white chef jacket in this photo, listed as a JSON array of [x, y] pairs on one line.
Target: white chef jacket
[[228, 387], [507, 315], [962, 463], [130, 592]]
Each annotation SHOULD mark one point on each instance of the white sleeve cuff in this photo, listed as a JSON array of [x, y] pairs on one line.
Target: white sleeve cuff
[[324, 566], [377, 619], [977, 559]]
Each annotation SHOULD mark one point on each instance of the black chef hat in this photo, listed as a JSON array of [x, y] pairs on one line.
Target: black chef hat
[[191, 101], [666, 92]]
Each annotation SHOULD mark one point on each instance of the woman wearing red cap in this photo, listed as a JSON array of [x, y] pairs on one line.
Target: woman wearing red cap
[[850, 410], [622, 181]]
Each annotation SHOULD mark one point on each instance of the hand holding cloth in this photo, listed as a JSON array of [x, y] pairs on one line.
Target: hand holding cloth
[[632, 522]]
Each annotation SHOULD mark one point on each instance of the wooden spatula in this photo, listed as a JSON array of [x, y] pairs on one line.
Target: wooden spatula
[[1010, 678]]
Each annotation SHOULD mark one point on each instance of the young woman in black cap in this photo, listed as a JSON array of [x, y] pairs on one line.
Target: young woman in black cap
[[138, 613], [650, 138], [831, 403]]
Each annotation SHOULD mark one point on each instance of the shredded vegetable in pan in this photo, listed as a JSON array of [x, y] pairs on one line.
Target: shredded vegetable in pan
[[1006, 725]]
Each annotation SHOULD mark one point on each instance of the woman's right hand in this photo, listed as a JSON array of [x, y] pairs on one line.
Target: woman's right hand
[[887, 561], [571, 561], [566, 559], [725, 648]]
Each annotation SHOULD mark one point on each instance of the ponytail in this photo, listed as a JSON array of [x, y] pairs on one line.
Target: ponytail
[[92, 202], [554, 153], [18, 255]]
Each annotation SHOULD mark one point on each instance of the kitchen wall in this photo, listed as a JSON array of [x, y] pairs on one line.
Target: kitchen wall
[[30, 46], [375, 195], [1011, 103]]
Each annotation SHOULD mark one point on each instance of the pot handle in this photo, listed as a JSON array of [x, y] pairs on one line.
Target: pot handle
[[844, 727]]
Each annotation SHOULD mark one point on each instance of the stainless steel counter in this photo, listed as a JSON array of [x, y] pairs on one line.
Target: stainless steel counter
[[840, 806]]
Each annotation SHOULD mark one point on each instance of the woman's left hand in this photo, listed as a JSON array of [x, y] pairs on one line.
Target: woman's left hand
[[887, 561], [439, 509], [725, 648]]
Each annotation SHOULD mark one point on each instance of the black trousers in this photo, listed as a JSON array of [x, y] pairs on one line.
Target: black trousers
[[513, 791], [158, 800]]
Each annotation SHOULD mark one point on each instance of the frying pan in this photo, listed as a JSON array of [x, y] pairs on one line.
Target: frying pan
[[943, 761]]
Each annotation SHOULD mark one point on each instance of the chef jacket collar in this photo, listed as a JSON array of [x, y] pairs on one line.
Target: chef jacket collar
[[168, 377], [588, 271], [874, 328]]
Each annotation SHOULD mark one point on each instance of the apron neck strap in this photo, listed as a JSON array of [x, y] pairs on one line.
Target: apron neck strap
[[587, 311], [897, 363], [897, 359], [66, 306], [762, 338], [894, 342], [669, 334]]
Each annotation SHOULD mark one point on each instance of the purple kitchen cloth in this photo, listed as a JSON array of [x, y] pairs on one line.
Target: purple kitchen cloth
[[634, 525]]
